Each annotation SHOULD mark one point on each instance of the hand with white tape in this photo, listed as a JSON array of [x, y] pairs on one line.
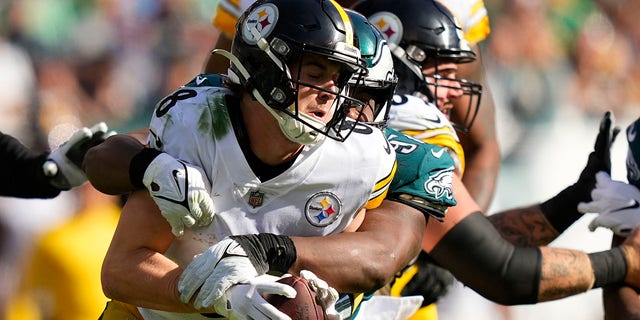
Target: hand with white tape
[[246, 300], [326, 295]]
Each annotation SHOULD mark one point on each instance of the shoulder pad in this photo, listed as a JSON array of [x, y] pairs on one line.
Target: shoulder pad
[[207, 80], [424, 175]]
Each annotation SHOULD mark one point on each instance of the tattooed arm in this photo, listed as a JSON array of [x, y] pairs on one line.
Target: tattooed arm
[[469, 246], [525, 226]]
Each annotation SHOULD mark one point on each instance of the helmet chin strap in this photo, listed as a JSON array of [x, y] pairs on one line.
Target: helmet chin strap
[[291, 127]]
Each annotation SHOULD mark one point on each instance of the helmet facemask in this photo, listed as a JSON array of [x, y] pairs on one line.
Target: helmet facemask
[[339, 126], [272, 40], [418, 32], [471, 90], [426, 86]]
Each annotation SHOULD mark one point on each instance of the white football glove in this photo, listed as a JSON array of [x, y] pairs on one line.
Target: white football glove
[[246, 300], [617, 203], [181, 191], [326, 295], [64, 165], [214, 272]]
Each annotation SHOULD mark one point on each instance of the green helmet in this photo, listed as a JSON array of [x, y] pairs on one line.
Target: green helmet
[[380, 82]]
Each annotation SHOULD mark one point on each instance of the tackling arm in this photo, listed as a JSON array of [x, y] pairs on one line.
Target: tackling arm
[[540, 224], [107, 165], [471, 248], [367, 259]]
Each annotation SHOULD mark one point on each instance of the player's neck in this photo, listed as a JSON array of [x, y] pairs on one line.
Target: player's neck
[[266, 139]]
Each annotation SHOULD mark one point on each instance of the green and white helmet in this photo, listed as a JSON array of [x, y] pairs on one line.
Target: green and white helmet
[[378, 86]]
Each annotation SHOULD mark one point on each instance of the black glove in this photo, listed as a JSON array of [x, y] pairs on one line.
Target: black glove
[[562, 210], [431, 281]]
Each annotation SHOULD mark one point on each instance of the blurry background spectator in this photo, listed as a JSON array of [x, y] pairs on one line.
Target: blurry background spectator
[[61, 277], [69, 63]]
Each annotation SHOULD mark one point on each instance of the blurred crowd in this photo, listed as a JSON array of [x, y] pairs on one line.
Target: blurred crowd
[[70, 63], [545, 55], [66, 64]]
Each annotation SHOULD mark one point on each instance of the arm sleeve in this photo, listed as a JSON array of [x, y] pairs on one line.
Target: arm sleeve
[[478, 256], [21, 174], [424, 175]]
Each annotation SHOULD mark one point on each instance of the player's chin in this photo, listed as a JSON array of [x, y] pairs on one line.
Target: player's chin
[[446, 110]]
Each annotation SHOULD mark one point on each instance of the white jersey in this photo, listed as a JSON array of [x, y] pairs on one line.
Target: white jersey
[[327, 184], [472, 16], [422, 120]]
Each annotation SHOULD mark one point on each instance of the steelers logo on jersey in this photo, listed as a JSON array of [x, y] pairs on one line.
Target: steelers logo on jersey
[[262, 19], [389, 25], [322, 209]]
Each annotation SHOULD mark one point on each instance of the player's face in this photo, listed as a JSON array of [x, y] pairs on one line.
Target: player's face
[[366, 113], [446, 89], [317, 97]]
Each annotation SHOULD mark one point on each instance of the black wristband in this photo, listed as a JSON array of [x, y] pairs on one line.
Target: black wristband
[[268, 252], [562, 210], [139, 164], [609, 267]]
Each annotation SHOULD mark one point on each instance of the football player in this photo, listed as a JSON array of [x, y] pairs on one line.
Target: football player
[[482, 160], [422, 182], [428, 49], [499, 270], [428, 124], [272, 141], [617, 205], [480, 145]]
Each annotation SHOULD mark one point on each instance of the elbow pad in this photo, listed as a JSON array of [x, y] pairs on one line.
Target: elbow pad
[[479, 257]]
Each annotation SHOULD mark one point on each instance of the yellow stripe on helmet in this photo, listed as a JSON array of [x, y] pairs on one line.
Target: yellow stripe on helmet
[[347, 22]]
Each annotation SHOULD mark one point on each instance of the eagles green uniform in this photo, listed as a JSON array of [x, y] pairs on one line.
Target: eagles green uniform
[[423, 177], [423, 181]]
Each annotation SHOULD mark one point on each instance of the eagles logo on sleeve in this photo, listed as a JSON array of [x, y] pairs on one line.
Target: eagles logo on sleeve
[[424, 176]]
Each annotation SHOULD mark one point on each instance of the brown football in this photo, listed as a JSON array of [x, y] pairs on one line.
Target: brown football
[[304, 306]]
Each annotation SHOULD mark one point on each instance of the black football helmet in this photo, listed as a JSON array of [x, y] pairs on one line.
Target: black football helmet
[[271, 36], [420, 32], [380, 82]]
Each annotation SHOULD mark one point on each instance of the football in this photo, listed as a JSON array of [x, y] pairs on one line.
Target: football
[[304, 306]]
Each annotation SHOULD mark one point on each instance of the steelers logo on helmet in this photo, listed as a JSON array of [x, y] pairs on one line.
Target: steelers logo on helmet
[[263, 19], [389, 25], [322, 209]]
